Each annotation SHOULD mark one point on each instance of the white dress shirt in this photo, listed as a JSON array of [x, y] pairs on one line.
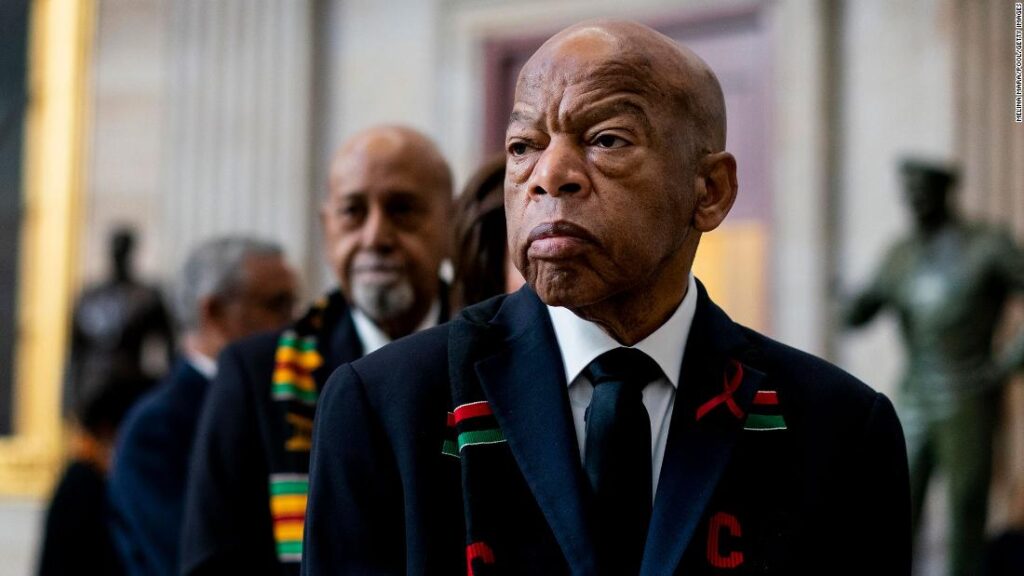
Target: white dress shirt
[[373, 338], [582, 341], [202, 363]]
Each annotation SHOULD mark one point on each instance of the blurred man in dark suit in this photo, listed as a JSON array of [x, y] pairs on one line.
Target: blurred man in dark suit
[[607, 418], [385, 236], [229, 288]]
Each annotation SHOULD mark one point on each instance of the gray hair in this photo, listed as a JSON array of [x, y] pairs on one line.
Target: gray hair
[[215, 268]]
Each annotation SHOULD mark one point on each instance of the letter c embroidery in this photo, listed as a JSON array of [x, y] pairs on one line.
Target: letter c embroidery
[[719, 522]]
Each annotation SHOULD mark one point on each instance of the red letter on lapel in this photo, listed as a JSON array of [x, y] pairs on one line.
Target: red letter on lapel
[[722, 521]]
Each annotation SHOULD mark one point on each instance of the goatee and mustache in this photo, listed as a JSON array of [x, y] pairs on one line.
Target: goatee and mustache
[[381, 288]]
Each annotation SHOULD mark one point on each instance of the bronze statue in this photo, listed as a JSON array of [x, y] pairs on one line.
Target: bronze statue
[[112, 323], [948, 282]]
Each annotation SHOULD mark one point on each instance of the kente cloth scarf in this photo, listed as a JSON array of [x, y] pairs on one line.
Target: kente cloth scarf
[[296, 384], [492, 485]]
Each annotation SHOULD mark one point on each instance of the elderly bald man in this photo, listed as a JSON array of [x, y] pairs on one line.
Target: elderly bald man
[[384, 226], [607, 418]]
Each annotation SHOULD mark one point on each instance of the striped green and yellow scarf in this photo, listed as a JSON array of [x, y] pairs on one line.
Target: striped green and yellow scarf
[[300, 353]]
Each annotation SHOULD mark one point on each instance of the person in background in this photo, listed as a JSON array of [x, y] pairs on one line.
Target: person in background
[[948, 281], [385, 235], [76, 534], [229, 288], [480, 261]]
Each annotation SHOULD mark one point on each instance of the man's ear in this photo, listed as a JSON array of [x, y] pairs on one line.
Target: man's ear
[[211, 311], [448, 216], [716, 187], [213, 327]]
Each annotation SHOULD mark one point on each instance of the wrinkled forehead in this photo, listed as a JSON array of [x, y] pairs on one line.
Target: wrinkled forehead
[[594, 67], [359, 162], [592, 60], [591, 79], [408, 168]]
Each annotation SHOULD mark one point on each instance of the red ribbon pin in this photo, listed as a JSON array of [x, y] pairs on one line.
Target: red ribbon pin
[[728, 388], [478, 550]]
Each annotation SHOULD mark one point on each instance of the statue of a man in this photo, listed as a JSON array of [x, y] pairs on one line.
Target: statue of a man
[[948, 282], [113, 323]]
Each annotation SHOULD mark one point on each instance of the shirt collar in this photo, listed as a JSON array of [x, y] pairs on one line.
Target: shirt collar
[[581, 341], [202, 363], [373, 338]]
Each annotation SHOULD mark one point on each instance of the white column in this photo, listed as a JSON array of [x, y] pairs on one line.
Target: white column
[[990, 143], [991, 150], [238, 123]]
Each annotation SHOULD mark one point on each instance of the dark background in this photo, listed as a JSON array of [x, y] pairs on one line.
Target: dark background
[[13, 95]]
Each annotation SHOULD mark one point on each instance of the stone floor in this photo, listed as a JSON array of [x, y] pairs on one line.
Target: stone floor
[[20, 523]]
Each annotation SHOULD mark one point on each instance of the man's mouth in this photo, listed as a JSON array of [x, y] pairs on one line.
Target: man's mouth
[[378, 273], [558, 240]]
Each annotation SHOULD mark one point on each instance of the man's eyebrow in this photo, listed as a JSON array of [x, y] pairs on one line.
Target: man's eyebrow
[[521, 117], [336, 198], [353, 193], [404, 194], [618, 106]]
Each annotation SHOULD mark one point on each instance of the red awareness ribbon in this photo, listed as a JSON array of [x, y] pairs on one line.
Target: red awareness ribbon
[[478, 550], [728, 388]]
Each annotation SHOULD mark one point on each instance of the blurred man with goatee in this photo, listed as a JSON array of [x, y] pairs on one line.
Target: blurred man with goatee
[[384, 226]]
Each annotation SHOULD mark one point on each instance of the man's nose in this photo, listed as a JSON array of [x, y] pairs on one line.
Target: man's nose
[[378, 231], [560, 170]]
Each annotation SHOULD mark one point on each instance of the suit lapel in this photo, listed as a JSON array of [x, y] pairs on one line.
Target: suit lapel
[[443, 294], [697, 451], [343, 344], [522, 378]]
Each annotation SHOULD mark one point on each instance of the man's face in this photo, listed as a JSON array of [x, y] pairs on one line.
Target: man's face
[[384, 231], [600, 176], [265, 300]]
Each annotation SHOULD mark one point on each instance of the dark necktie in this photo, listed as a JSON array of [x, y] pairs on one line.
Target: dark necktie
[[617, 457]]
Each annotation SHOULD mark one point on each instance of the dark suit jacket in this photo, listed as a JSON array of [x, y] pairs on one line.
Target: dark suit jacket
[[810, 479], [242, 430], [76, 536], [147, 482]]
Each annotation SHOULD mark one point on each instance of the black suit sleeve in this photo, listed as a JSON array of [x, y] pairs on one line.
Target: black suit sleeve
[[884, 494], [227, 509], [354, 521], [145, 491]]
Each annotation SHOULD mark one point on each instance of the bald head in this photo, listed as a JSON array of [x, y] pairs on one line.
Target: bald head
[[391, 148], [659, 65], [384, 222]]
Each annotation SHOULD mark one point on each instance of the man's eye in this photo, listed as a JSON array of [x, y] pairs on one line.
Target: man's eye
[[401, 208], [517, 148], [350, 211], [610, 141]]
